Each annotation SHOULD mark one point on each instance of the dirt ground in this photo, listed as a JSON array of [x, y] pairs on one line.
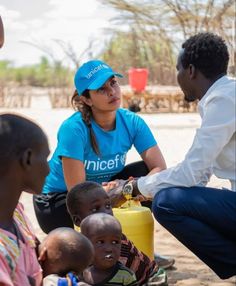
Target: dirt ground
[[174, 134]]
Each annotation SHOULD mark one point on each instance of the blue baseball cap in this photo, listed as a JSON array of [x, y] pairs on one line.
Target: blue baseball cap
[[92, 75]]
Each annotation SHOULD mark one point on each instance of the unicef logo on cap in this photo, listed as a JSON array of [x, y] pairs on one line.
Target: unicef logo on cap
[[92, 75], [96, 69], [105, 66]]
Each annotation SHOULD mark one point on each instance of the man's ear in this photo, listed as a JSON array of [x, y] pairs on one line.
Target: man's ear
[[26, 158], [192, 71], [42, 255]]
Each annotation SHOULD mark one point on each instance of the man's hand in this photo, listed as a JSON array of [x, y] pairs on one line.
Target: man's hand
[[114, 190]]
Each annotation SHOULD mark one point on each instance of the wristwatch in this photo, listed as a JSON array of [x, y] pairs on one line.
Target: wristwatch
[[127, 190]]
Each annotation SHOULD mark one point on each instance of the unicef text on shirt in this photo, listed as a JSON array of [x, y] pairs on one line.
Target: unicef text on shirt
[[96, 69], [109, 164]]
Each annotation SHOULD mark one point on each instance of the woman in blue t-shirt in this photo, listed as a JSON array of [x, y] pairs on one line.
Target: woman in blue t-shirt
[[93, 143]]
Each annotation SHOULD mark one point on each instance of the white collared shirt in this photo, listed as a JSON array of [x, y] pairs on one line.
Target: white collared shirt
[[214, 145]]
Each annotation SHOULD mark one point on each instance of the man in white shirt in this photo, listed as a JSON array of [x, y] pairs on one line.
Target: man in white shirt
[[202, 218]]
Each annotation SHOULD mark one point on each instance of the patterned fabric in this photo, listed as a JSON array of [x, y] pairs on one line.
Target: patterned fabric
[[137, 261], [24, 225], [10, 251], [18, 261], [120, 276]]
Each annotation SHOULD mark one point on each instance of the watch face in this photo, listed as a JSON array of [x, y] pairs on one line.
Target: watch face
[[128, 188], [127, 191]]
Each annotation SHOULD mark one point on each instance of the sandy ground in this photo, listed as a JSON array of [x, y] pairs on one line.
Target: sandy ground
[[174, 133]]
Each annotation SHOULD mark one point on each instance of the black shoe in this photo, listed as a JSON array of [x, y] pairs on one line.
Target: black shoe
[[164, 261]]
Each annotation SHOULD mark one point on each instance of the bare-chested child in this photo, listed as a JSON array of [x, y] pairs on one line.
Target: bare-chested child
[[88, 198], [64, 254], [104, 231]]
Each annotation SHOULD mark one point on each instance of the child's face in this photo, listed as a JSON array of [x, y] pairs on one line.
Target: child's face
[[95, 201], [107, 246], [39, 167]]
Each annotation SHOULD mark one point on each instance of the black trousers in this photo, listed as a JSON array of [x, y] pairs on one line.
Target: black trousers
[[50, 209]]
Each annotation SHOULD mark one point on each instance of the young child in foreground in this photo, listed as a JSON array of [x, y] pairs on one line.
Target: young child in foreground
[[88, 198], [64, 254], [104, 231]]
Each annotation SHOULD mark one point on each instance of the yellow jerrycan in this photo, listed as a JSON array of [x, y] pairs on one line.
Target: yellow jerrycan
[[138, 225]]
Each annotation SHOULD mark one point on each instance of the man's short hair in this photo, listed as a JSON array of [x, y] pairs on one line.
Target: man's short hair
[[17, 133], [206, 52]]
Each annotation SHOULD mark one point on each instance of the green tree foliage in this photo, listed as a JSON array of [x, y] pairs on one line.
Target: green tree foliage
[[155, 29], [131, 49], [43, 74]]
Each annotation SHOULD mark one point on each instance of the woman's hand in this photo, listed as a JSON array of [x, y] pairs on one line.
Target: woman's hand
[[110, 185], [114, 191]]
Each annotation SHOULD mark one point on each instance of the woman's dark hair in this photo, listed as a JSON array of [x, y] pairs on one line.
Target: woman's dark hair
[[208, 53], [80, 105]]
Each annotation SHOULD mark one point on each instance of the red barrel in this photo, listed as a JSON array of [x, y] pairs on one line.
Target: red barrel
[[138, 79]]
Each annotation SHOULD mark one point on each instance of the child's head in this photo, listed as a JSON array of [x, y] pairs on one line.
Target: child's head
[[104, 231], [65, 250], [85, 199], [23, 154]]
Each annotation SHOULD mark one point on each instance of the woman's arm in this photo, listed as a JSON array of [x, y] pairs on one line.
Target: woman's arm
[[74, 172], [154, 160]]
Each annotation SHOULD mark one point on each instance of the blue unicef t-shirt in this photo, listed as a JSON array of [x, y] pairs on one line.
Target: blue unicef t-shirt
[[74, 142]]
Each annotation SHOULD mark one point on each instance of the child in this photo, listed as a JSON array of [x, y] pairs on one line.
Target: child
[[23, 156], [90, 197], [104, 231], [63, 251]]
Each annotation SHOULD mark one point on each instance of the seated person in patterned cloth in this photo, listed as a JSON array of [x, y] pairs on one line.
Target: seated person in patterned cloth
[[104, 231], [88, 198], [64, 254], [23, 156]]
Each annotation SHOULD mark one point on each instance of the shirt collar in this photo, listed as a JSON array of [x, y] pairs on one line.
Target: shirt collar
[[215, 85]]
